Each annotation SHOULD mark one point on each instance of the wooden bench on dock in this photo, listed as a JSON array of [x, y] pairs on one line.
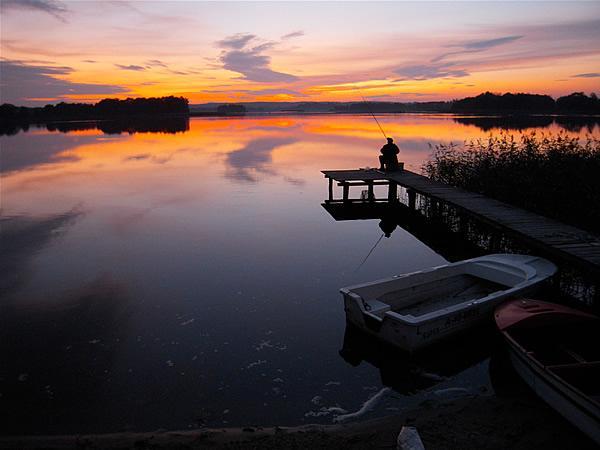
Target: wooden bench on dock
[[550, 236]]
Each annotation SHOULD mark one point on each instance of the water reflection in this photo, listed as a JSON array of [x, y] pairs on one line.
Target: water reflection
[[452, 244], [23, 238], [507, 122], [58, 356], [255, 156], [573, 124], [255, 139], [124, 125], [581, 124], [197, 283], [27, 151], [409, 374]]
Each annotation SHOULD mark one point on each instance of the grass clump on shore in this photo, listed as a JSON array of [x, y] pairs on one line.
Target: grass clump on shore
[[554, 175]]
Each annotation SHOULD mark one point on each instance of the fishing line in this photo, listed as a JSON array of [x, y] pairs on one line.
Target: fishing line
[[385, 136], [369, 254], [378, 124]]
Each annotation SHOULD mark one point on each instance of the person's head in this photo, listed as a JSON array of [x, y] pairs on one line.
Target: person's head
[[390, 140]]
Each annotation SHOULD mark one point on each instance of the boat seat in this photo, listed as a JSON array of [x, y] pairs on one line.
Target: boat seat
[[378, 308], [577, 357]]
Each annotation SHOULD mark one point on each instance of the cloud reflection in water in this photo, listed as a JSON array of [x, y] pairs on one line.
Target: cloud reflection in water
[[255, 157]]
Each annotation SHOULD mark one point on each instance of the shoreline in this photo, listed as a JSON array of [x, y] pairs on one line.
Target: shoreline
[[125, 117], [494, 422]]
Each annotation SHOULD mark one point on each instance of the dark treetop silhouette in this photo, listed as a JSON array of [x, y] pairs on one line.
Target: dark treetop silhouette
[[575, 103], [108, 108]]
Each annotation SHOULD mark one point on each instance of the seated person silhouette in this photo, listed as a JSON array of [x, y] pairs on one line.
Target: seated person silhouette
[[388, 160]]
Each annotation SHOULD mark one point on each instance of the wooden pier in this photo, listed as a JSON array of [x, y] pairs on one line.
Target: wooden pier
[[546, 235]]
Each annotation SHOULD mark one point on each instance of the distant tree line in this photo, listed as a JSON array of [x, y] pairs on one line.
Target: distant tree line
[[360, 107], [105, 109], [232, 109], [487, 103], [391, 107], [575, 103], [510, 104]]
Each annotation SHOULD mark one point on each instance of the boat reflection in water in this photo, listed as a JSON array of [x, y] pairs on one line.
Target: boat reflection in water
[[407, 374]]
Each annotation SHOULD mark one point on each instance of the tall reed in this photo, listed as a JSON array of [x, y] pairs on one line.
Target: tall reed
[[554, 175]]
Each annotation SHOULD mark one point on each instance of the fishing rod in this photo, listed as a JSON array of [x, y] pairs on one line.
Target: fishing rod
[[378, 124], [369, 254], [385, 136]]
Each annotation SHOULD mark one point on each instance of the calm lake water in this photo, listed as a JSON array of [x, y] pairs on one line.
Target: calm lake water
[[161, 279]]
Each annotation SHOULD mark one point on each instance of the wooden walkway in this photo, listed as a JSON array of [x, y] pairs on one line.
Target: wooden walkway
[[549, 236]]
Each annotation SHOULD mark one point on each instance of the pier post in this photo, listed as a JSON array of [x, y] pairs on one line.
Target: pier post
[[412, 198], [393, 192], [434, 207], [371, 193], [346, 192], [331, 189]]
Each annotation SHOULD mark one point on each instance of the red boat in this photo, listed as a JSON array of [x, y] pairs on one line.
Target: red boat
[[556, 350]]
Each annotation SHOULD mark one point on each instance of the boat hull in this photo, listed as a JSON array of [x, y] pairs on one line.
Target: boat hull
[[412, 337]]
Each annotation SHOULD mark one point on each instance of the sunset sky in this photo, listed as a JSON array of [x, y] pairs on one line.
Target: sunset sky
[[296, 51]]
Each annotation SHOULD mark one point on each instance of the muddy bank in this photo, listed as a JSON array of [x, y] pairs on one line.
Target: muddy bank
[[469, 423]]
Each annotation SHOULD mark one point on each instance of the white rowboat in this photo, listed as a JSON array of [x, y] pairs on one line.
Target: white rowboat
[[414, 310]]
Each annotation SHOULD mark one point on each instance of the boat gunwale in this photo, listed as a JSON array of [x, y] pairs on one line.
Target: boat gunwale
[[528, 279], [493, 258]]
